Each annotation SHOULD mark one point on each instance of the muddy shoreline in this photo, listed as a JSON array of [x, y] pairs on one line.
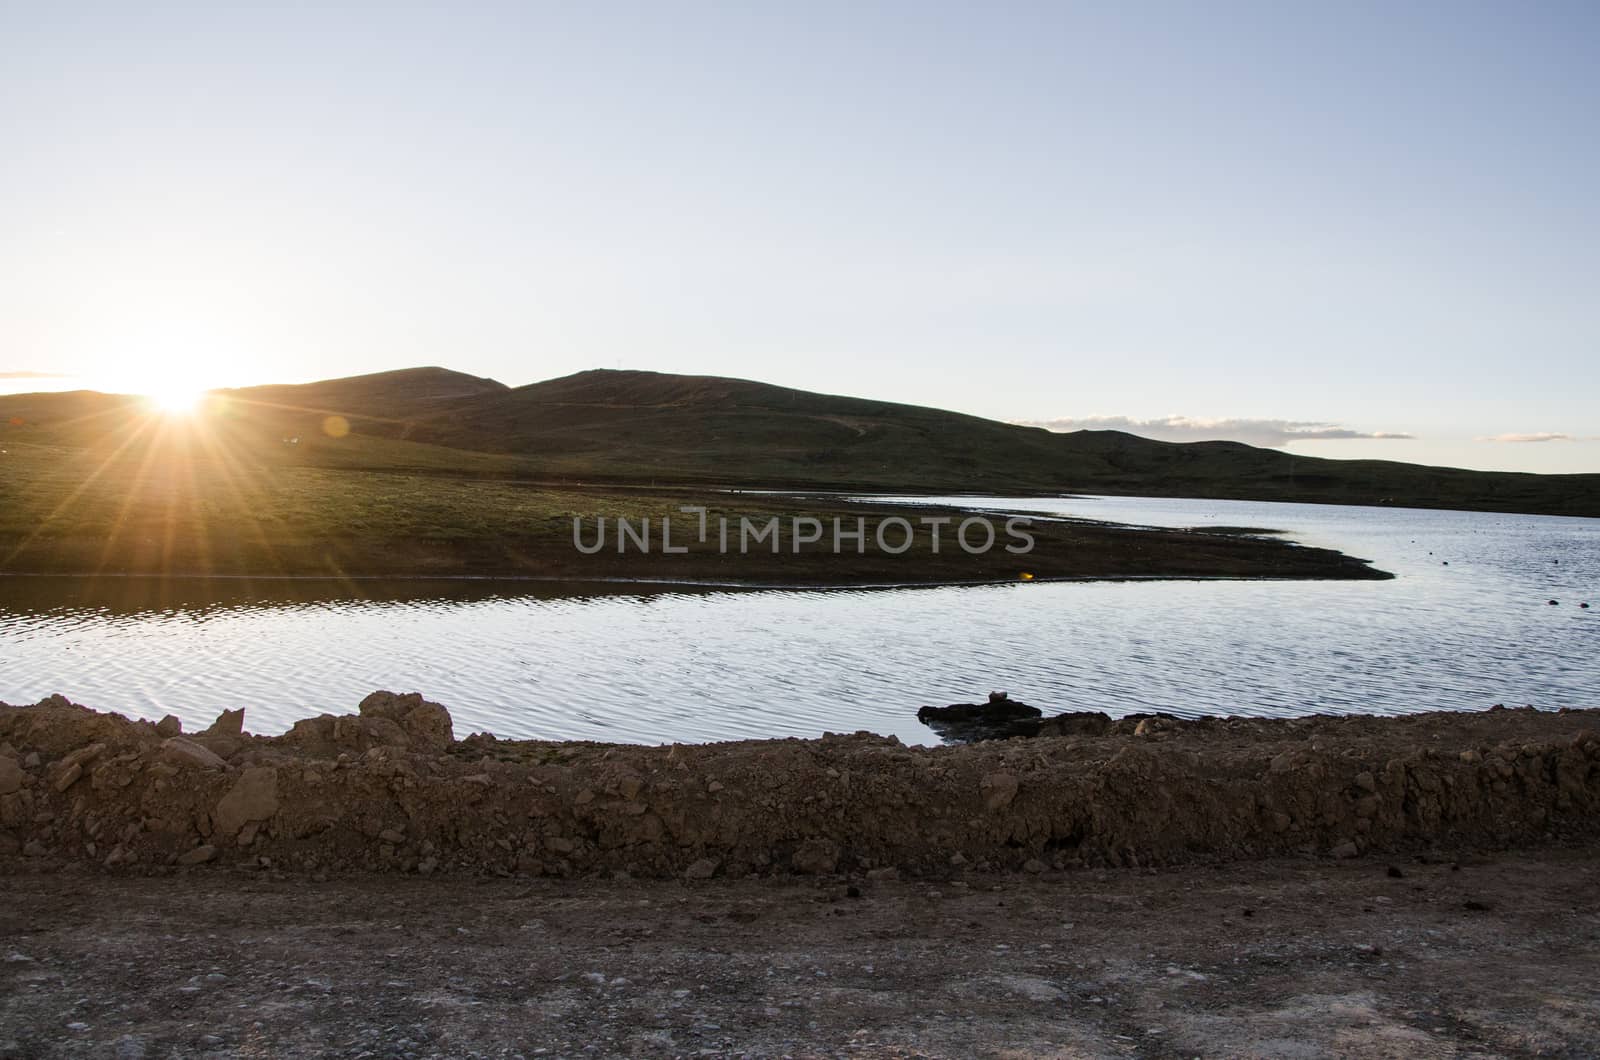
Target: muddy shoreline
[[391, 790]]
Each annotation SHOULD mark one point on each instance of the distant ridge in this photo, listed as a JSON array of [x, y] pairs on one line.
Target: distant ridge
[[641, 427]]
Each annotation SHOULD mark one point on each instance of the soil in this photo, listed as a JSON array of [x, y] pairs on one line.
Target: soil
[[1280, 958], [369, 885]]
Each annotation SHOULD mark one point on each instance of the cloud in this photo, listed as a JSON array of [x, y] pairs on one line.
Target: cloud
[[34, 375], [1543, 436], [1272, 433]]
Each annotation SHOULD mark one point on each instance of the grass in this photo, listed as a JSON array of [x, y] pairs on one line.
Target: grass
[[196, 498]]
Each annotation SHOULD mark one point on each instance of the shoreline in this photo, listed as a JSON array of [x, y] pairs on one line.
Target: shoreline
[[390, 790]]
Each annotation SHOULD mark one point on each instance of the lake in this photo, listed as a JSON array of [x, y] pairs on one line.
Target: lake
[[1465, 624]]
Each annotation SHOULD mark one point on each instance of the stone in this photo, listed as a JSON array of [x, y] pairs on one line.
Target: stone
[[171, 725], [816, 856], [181, 750], [427, 724], [703, 869], [254, 797], [1347, 849], [198, 856], [998, 789], [392, 836], [1000, 718], [228, 723], [68, 776], [1076, 723], [1033, 865], [11, 776], [1366, 782], [82, 756]]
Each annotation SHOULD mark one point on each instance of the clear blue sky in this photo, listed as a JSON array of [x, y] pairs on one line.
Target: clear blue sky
[[1381, 218]]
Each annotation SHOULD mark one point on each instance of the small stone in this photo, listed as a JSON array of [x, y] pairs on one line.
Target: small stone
[[816, 856], [1347, 849], [11, 776], [254, 797], [1033, 865], [703, 869], [228, 723], [34, 849], [392, 836], [198, 856], [889, 872], [68, 776], [169, 726], [998, 789], [1366, 782], [181, 750]]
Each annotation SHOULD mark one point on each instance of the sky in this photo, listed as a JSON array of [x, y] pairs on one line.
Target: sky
[[1351, 229]]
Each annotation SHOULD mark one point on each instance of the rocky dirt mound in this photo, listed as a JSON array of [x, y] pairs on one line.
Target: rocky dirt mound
[[391, 790]]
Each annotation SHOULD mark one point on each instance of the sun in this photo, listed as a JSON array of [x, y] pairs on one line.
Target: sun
[[175, 400]]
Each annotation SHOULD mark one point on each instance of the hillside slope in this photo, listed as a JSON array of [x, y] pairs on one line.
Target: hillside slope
[[647, 427]]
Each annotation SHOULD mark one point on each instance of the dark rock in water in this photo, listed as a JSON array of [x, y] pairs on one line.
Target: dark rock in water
[[998, 719]]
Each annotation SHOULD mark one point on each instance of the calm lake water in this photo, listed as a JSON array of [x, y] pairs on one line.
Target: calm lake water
[[1466, 624]]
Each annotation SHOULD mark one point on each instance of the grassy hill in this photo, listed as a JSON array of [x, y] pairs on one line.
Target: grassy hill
[[646, 427]]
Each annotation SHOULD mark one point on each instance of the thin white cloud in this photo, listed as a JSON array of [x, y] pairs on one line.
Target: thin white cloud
[[33, 375], [1542, 436], [1271, 433]]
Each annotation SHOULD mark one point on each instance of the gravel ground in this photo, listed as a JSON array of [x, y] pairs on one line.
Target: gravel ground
[[1292, 958]]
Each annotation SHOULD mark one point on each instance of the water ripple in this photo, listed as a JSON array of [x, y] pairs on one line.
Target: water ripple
[[623, 664]]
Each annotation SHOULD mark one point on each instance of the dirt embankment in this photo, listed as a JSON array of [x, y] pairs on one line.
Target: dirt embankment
[[391, 790]]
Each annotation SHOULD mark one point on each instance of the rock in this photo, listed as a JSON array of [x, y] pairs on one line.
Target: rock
[[998, 789], [427, 724], [171, 725], [34, 849], [1366, 782], [816, 857], [889, 872], [703, 869], [228, 723], [1033, 865], [198, 856], [181, 750], [254, 797], [1347, 849], [1000, 718], [82, 756], [68, 776], [1076, 723], [11, 776], [392, 836]]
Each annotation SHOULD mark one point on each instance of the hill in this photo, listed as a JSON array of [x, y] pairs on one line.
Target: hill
[[646, 427]]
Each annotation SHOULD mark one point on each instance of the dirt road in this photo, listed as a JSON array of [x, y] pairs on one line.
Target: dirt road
[[1290, 958]]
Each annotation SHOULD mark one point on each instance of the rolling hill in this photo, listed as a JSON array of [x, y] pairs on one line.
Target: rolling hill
[[646, 427]]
